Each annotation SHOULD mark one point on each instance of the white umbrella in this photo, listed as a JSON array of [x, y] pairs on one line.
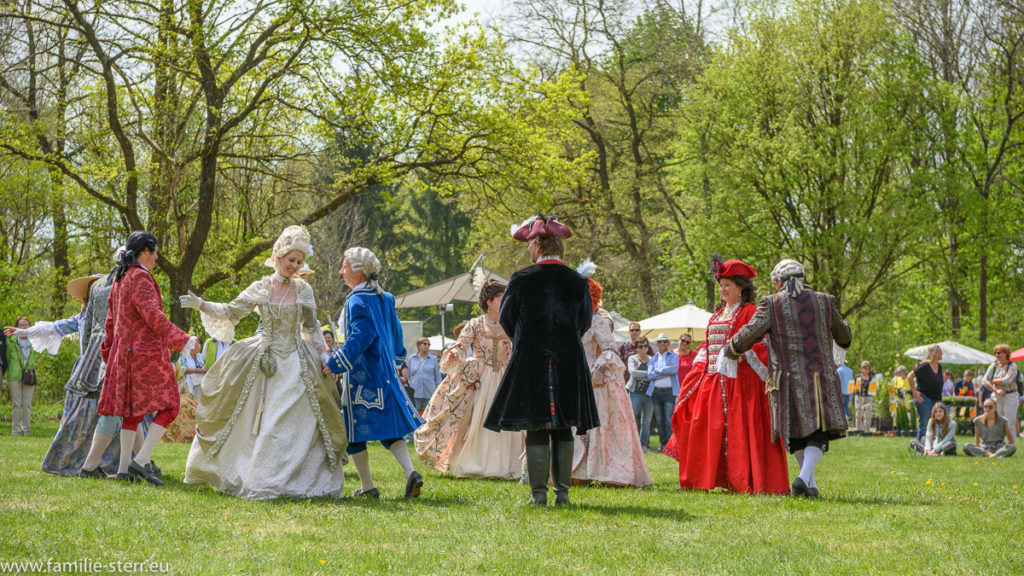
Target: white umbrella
[[688, 318], [953, 353]]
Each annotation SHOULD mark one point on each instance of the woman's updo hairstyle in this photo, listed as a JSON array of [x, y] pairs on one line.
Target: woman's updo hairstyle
[[490, 289], [136, 243]]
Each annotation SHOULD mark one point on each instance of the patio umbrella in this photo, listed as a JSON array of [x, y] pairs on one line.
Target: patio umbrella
[[953, 353], [688, 318], [1018, 355]]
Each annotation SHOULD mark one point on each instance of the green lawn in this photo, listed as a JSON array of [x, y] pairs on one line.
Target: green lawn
[[881, 511]]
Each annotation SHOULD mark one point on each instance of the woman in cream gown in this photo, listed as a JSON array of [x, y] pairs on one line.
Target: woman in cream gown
[[453, 438], [268, 423]]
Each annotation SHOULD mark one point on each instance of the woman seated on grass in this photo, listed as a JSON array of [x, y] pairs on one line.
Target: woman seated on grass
[[940, 435], [990, 429]]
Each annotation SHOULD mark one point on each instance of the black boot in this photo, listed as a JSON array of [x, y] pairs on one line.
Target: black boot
[[561, 469], [537, 458]]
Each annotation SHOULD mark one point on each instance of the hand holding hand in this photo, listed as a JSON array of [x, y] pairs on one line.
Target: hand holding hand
[[190, 300], [9, 330]]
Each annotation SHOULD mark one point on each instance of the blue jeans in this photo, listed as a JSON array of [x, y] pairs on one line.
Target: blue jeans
[[924, 412], [664, 405], [846, 404], [643, 410]]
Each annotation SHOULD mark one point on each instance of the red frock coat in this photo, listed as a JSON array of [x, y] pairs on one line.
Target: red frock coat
[[721, 427], [140, 376]]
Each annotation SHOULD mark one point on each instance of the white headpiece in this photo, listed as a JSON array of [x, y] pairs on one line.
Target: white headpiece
[[587, 268], [363, 260], [791, 274], [293, 238]]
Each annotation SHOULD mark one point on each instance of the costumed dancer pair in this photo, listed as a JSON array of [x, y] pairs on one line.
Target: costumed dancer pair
[[721, 426], [68, 451], [805, 394]]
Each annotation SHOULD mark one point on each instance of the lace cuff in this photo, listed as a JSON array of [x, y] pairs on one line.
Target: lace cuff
[[219, 320], [726, 367], [756, 364], [43, 336]]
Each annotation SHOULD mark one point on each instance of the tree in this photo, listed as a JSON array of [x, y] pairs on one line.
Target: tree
[[216, 116], [811, 122]]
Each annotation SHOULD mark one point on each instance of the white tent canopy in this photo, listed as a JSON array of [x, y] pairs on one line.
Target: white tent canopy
[[455, 289], [953, 353], [688, 318]]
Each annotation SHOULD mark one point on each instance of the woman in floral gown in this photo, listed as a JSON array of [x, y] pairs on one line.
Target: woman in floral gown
[[453, 438], [268, 423], [721, 427], [610, 454]]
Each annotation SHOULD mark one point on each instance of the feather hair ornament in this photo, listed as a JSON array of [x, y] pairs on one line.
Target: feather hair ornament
[[587, 268]]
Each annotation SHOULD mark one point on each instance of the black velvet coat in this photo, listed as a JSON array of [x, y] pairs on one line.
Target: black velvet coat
[[545, 310]]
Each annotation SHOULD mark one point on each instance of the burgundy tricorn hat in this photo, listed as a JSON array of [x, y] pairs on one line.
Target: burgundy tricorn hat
[[735, 268], [540, 226]]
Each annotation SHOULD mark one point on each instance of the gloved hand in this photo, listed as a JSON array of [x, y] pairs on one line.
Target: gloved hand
[[324, 358], [190, 300]]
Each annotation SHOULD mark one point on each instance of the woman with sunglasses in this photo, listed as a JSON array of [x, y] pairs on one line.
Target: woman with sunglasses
[[1001, 381], [990, 431]]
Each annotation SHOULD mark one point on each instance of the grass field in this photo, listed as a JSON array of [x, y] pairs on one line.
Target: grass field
[[882, 511]]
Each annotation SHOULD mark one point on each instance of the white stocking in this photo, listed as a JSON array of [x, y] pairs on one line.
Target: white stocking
[[812, 455], [127, 441], [99, 446], [153, 435], [361, 461], [401, 452]]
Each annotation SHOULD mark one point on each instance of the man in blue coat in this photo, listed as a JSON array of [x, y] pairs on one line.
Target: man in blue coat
[[376, 405]]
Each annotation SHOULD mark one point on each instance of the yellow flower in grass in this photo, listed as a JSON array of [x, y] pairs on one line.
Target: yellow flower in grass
[[929, 482], [1014, 486], [893, 472], [975, 484]]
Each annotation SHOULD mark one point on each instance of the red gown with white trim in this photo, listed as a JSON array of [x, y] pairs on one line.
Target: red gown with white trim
[[721, 427]]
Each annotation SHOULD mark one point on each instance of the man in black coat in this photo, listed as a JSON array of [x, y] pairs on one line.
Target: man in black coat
[[546, 390]]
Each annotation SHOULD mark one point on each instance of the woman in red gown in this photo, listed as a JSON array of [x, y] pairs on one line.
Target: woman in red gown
[[721, 427]]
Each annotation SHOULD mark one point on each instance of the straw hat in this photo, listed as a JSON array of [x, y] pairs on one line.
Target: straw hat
[[79, 287]]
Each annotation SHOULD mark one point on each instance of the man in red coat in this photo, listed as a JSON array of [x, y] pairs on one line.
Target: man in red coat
[[139, 377]]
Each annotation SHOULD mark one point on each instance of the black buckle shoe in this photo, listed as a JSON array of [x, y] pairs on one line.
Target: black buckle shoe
[[799, 487], [413, 485], [371, 493], [154, 469], [94, 473], [125, 477], [143, 473]]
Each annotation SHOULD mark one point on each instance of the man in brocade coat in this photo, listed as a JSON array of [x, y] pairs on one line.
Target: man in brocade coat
[[806, 395], [546, 389]]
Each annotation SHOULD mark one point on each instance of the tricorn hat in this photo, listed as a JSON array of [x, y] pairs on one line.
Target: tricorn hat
[[540, 226]]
